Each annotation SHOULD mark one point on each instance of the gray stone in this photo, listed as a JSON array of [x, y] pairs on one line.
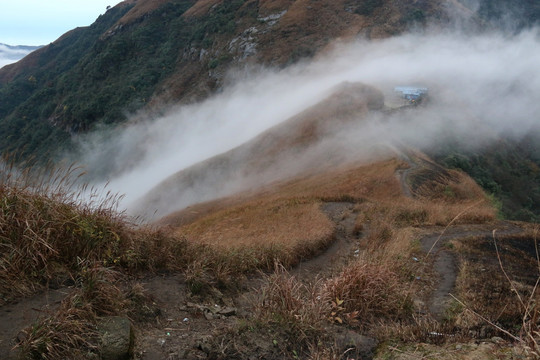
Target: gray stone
[[355, 345], [117, 338], [228, 311], [208, 315]]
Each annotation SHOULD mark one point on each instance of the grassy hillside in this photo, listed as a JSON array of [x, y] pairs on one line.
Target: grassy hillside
[[507, 169], [351, 248], [376, 286], [139, 54], [51, 239]]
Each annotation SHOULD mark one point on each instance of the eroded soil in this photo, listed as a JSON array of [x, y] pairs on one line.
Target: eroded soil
[[173, 324], [15, 317], [435, 244]]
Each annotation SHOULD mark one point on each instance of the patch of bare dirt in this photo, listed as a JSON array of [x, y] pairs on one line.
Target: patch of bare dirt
[[182, 327], [15, 317], [343, 246], [436, 245]]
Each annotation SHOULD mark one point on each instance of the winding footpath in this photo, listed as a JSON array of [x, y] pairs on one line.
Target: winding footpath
[[445, 262], [434, 244], [342, 214]]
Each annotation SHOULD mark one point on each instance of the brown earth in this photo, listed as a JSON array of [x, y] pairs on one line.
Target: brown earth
[[16, 317], [324, 221], [173, 324]]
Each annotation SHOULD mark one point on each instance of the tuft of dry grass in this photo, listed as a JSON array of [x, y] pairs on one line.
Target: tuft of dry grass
[[300, 310], [71, 331], [69, 334], [48, 230], [370, 291]]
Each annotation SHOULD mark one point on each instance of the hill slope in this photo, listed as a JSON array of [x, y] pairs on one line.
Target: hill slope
[[301, 145], [315, 239], [141, 53]]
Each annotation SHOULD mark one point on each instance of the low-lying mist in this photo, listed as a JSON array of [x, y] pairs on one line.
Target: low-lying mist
[[480, 86], [11, 54]]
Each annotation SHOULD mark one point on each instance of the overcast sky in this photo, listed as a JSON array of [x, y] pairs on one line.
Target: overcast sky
[[40, 22]]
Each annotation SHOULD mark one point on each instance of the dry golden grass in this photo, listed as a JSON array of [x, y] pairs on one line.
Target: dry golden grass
[[377, 286], [201, 8], [282, 222], [141, 8], [217, 241], [295, 307], [287, 215], [48, 231], [371, 291]]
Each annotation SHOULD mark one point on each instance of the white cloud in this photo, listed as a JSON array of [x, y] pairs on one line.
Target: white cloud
[[488, 81], [9, 55]]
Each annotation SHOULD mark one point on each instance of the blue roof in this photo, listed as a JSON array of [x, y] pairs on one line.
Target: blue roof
[[411, 90]]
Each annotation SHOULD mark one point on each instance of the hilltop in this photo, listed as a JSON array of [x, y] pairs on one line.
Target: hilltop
[[349, 224], [350, 259], [147, 55]]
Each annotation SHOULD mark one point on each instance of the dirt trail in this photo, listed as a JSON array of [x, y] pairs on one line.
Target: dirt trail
[[435, 244], [445, 263], [404, 174], [342, 214], [15, 317], [185, 326]]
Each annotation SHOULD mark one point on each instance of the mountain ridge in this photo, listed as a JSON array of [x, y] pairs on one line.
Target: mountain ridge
[[140, 55], [163, 55], [304, 209]]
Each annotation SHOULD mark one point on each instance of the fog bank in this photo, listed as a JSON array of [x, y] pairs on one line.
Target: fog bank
[[480, 86], [12, 54]]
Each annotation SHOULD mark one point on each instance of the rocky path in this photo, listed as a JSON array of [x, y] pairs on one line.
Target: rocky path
[[343, 215]]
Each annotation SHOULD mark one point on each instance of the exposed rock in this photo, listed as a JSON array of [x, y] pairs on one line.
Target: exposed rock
[[117, 338], [227, 311], [356, 345], [205, 344]]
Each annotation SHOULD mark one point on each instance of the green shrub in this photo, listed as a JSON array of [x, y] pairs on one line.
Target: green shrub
[[367, 7]]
